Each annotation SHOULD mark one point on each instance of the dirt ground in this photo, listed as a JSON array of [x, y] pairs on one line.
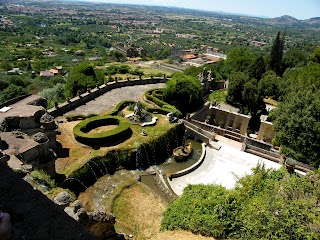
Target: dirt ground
[[139, 212]]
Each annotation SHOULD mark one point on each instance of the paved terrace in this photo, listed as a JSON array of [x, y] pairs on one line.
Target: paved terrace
[[110, 99], [222, 167], [22, 108]]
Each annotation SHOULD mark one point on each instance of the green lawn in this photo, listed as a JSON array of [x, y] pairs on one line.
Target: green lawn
[[218, 96]]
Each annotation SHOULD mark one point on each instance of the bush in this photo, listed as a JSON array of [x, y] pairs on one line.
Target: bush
[[77, 117], [269, 204], [183, 92], [221, 124], [120, 133], [42, 178], [149, 95]]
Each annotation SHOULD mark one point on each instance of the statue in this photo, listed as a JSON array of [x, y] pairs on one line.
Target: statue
[[138, 110]]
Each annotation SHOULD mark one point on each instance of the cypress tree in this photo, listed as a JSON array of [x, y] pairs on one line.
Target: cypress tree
[[275, 58], [257, 68]]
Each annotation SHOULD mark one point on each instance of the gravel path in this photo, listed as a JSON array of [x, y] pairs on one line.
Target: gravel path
[[110, 99]]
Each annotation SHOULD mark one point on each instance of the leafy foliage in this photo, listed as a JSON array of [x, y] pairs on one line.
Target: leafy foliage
[[297, 124], [83, 77], [54, 94], [43, 178], [203, 209], [218, 96], [269, 85], [315, 57], [239, 59], [12, 91], [82, 130], [269, 204], [257, 68], [184, 92]]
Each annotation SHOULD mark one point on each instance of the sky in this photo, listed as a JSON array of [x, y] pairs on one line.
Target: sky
[[300, 9]]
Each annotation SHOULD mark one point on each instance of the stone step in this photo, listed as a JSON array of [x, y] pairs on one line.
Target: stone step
[[233, 137]]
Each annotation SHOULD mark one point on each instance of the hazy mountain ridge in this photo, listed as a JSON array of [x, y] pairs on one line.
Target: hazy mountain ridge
[[282, 20], [289, 20]]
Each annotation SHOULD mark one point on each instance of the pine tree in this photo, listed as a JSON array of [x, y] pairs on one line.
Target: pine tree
[[275, 58]]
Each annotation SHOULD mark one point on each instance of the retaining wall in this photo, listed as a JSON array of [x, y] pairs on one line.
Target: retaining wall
[[98, 91]]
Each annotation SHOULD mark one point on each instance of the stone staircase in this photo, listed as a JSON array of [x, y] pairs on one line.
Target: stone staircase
[[232, 135]]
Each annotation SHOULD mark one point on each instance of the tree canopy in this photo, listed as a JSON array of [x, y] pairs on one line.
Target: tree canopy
[[83, 77], [297, 125], [12, 91], [276, 54], [184, 92], [270, 204]]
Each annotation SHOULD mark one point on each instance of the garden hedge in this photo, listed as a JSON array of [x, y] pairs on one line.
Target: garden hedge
[[111, 137], [120, 106], [152, 94]]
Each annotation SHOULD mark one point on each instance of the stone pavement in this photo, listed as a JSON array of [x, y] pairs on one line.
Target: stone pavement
[[222, 167], [110, 99]]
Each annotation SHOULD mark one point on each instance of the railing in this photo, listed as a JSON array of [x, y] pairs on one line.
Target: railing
[[200, 131]]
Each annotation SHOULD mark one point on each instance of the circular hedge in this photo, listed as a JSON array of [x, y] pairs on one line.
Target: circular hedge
[[112, 137]]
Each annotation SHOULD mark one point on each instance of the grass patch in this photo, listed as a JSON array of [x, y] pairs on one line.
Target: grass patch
[[103, 189], [55, 191], [139, 212], [143, 66], [218, 96], [42, 178], [271, 101]]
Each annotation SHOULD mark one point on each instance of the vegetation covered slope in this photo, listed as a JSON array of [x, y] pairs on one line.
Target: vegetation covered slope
[[266, 205]]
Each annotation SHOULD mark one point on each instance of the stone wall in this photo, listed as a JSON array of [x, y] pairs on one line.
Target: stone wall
[[231, 120], [33, 215], [266, 131], [96, 92]]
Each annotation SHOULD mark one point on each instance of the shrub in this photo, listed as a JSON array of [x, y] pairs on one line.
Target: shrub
[[120, 133], [76, 117], [42, 178], [221, 124], [162, 104]]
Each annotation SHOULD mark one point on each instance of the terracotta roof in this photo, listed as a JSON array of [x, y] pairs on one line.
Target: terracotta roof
[[46, 74], [189, 56], [54, 71]]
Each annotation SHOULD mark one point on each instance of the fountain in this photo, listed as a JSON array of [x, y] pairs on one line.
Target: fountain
[[182, 153], [141, 117]]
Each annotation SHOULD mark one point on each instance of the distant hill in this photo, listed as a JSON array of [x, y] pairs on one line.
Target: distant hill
[[286, 19], [315, 20], [283, 20], [293, 22]]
